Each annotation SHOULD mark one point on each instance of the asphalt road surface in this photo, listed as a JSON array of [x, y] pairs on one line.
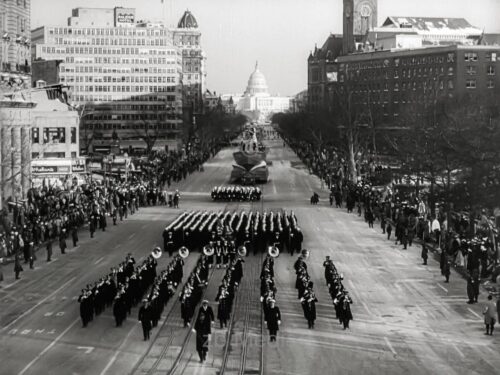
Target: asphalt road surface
[[406, 319]]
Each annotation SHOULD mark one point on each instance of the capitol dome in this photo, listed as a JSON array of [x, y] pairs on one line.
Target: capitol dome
[[257, 85], [187, 21]]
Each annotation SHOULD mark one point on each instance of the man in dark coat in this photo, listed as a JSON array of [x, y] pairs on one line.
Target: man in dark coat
[[62, 241], [74, 235], [273, 317], [425, 252], [203, 328], [145, 319], [49, 249], [309, 306]]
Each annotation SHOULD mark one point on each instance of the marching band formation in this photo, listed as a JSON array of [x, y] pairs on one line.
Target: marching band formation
[[236, 193], [304, 285], [272, 314], [123, 288], [341, 298], [220, 235]]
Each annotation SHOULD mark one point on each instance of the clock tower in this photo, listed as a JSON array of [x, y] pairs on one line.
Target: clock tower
[[348, 36], [359, 16], [365, 16]]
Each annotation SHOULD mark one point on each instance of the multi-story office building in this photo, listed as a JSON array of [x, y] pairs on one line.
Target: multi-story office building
[[406, 80], [15, 103], [15, 55], [187, 37], [122, 74]]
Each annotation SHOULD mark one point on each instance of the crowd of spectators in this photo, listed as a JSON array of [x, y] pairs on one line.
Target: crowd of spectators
[[469, 243], [51, 214]]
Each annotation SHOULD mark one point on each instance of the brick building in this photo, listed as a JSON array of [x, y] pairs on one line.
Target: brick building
[[399, 80]]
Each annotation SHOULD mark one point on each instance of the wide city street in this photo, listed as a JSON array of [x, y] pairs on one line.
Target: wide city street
[[406, 319]]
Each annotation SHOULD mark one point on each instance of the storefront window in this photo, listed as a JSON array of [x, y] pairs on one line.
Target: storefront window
[[54, 135], [35, 135]]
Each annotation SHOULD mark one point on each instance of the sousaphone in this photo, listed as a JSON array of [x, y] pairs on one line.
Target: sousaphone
[[273, 251], [208, 250], [184, 252], [156, 253], [242, 251]]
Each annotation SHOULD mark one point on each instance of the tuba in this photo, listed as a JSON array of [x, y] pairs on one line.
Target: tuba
[[242, 251], [305, 253], [184, 252], [273, 251], [208, 250], [156, 253]]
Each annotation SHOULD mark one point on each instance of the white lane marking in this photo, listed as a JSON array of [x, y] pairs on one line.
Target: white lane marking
[[390, 346], [99, 260], [330, 345], [7, 286], [442, 287], [88, 349], [39, 303], [27, 367], [474, 313], [458, 350], [131, 236], [118, 351], [116, 246]]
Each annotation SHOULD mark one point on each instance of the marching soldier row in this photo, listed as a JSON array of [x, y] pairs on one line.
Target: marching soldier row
[[341, 299], [254, 230], [306, 295], [225, 295], [122, 288], [162, 290], [236, 193], [272, 314], [192, 291]]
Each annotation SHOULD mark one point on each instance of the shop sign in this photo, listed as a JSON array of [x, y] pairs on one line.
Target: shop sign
[[43, 169]]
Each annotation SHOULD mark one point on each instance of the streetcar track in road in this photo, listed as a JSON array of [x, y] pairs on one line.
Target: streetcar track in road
[[39, 303], [186, 339], [249, 300], [171, 337]]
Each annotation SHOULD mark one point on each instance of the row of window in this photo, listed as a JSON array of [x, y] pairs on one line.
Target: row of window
[[171, 126], [123, 79], [106, 51], [127, 70], [99, 88], [53, 135], [115, 31]]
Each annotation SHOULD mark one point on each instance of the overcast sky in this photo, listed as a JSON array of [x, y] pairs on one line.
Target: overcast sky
[[277, 33]]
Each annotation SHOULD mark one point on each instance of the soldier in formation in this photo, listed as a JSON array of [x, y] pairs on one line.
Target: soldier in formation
[[122, 288], [306, 294], [236, 193], [225, 231], [272, 314], [193, 289], [341, 298]]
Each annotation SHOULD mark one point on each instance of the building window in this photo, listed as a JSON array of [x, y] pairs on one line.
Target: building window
[[450, 71], [471, 70], [54, 135], [490, 84], [73, 154], [470, 56], [34, 155], [35, 135], [490, 70], [470, 84], [73, 135]]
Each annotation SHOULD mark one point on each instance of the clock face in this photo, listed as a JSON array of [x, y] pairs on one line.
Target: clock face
[[365, 10]]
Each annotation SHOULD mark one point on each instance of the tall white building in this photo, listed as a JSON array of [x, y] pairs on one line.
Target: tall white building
[[123, 75], [257, 103]]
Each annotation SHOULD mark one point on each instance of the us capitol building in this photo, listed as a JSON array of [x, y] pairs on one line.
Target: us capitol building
[[256, 102]]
